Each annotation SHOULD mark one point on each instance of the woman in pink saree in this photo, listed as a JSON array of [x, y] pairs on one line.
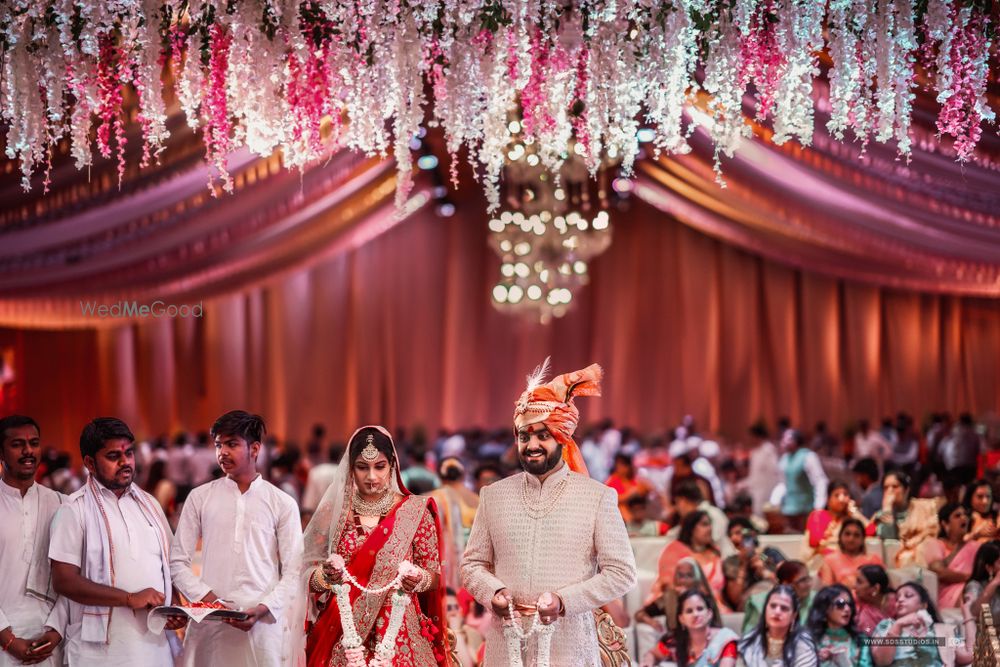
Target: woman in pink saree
[[950, 556], [694, 541], [841, 566]]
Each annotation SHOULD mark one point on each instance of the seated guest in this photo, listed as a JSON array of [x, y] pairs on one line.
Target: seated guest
[[910, 520], [866, 475], [915, 617], [742, 507], [695, 541], [949, 556], [823, 526], [778, 639], [983, 586], [758, 564], [875, 599], [700, 639], [626, 482], [978, 503], [733, 594], [832, 626], [687, 576], [841, 567], [689, 497], [681, 471], [640, 524], [791, 574]]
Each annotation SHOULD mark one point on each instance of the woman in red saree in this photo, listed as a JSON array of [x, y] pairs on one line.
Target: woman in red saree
[[374, 524]]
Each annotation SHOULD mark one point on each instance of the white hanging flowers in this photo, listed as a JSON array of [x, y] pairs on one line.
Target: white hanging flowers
[[516, 638], [351, 640], [307, 78]]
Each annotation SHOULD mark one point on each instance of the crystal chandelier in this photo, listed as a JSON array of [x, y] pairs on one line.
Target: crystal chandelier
[[553, 224]]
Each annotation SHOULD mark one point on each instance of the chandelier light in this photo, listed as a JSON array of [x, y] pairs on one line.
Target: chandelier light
[[553, 224]]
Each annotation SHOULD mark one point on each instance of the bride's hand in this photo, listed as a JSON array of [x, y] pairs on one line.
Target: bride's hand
[[332, 574]]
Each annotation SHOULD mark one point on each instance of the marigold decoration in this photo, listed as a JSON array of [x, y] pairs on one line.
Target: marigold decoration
[[309, 77]]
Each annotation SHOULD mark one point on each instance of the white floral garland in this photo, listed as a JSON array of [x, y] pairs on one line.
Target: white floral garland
[[606, 67], [353, 648], [515, 636]]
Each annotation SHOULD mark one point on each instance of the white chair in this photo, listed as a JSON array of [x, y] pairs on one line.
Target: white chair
[[789, 545], [921, 575]]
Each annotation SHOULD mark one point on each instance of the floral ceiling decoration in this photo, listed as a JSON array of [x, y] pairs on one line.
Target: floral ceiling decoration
[[308, 77]]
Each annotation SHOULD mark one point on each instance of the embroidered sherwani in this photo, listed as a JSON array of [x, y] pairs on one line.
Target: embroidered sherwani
[[579, 549]]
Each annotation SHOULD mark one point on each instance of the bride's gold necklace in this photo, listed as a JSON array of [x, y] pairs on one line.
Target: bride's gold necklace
[[378, 507]]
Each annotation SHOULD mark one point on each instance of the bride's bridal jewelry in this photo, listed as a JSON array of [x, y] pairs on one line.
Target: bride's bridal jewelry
[[378, 507]]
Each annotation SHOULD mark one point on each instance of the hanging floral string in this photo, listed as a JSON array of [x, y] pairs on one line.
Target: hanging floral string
[[308, 76]]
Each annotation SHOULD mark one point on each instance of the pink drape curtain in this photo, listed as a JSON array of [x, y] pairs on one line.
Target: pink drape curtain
[[401, 331]]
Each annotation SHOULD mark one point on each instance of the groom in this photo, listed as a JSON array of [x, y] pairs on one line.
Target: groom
[[549, 539]]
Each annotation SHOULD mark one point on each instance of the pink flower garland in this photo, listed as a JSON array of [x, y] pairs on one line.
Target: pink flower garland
[[580, 121], [761, 59], [111, 70], [215, 106], [961, 115], [536, 119]]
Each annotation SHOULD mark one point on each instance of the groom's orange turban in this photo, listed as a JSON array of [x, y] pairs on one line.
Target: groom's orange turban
[[552, 404]]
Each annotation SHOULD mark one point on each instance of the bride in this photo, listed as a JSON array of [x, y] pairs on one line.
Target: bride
[[369, 538]]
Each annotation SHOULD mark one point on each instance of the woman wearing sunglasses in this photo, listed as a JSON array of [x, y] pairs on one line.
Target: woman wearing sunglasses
[[831, 624]]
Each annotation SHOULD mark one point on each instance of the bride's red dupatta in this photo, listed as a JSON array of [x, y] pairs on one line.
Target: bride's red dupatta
[[327, 630]]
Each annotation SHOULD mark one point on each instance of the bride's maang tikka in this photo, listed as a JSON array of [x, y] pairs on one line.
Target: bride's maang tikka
[[370, 452]]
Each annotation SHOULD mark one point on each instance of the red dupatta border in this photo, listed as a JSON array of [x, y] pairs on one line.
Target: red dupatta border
[[324, 634]]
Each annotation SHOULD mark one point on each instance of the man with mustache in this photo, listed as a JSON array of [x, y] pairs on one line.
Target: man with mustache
[[30, 631], [110, 550], [251, 539], [550, 539]]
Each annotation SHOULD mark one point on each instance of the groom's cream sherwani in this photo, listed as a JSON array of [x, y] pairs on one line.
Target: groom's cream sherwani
[[580, 550]]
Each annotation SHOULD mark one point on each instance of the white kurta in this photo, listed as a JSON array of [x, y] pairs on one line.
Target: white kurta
[[579, 550], [138, 565], [22, 522], [252, 554]]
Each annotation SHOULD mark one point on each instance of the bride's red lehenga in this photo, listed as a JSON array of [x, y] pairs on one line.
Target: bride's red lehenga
[[410, 531]]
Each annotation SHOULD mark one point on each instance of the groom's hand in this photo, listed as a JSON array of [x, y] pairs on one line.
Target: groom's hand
[[549, 605], [501, 603]]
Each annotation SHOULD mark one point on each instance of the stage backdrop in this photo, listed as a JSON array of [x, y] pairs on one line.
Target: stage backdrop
[[400, 331]]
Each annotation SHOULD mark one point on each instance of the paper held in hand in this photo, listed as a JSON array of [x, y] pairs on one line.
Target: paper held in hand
[[159, 616]]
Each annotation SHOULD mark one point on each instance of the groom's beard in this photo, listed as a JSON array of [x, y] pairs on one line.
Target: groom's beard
[[543, 466]]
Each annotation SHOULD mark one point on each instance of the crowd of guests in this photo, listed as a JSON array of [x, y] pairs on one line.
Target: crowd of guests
[[833, 605], [711, 501]]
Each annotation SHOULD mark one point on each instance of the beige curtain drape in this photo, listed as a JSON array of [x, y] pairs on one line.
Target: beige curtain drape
[[401, 331]]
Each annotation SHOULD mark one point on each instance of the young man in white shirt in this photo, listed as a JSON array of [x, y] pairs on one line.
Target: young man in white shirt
[[30, 631], [252, 552], [110, 550]]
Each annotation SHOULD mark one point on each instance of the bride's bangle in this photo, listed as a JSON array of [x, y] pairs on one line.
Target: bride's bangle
[[424, 585], [318, 581]]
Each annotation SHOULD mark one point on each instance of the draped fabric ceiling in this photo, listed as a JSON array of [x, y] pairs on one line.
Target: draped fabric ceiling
[[821, 283]]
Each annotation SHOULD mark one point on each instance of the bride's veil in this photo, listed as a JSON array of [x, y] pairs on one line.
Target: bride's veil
[[323, 534]]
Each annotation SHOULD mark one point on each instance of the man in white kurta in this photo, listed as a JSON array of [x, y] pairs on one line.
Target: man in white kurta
[[251, 555], [549, 533], [138, 554], [27, 601], [109, 547]]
